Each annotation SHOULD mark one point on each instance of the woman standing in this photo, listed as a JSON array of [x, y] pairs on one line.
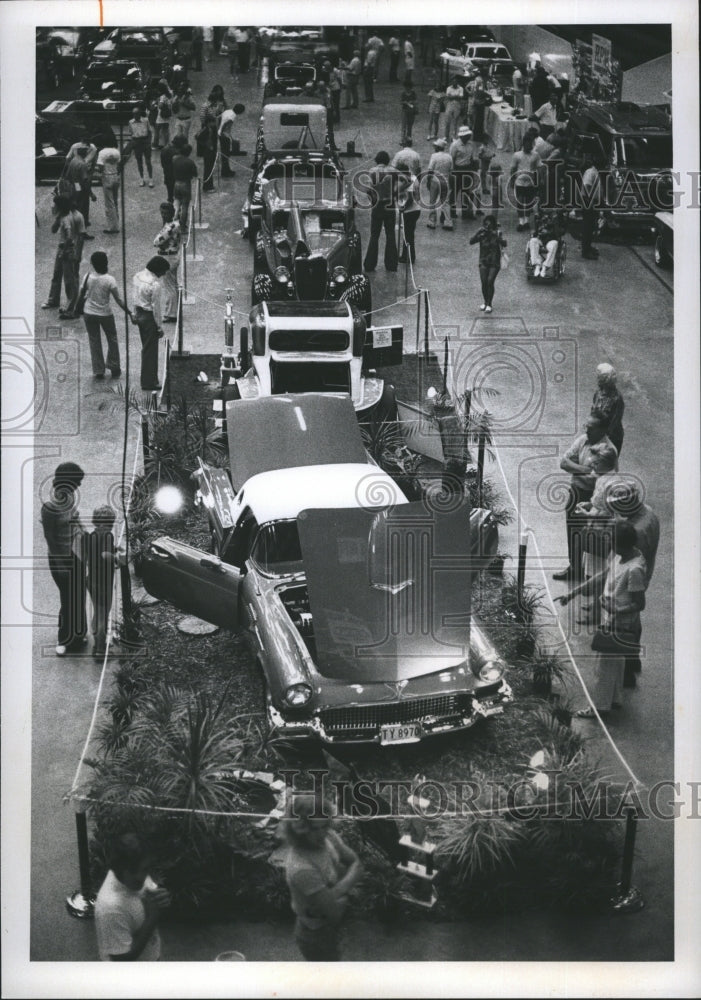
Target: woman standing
[[140, 141], [410, 210], [321, 870], [491, 244], [163, 115], [97, 316], [207, 143], [524, 172]]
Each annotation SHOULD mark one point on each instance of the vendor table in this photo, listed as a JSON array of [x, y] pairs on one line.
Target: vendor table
[[506, 131]]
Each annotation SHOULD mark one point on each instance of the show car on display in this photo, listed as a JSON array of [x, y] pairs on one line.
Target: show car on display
[[355, 601], [119, 85], [632, 145], [147, 46], [316, 347], [309, 250], [63, 51]]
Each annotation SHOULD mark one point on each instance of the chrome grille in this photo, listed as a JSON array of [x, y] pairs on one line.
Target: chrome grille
[[394, 713], [311, 276]]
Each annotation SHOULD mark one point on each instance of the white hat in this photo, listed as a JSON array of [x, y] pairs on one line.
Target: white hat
[[440, 143], [464, 130]]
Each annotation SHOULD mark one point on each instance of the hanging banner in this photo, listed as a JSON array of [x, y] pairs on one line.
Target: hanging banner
[[600, 56]]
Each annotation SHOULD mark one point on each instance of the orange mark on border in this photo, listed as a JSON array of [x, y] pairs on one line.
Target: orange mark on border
[[101, 19]]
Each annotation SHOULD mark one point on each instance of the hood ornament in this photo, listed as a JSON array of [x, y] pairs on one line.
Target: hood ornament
[[396, 688]]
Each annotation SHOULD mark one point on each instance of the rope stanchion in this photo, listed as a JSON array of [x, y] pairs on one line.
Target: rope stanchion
[[180, 352], [188, 300], [193, 233], [81, 903], [200, 224]]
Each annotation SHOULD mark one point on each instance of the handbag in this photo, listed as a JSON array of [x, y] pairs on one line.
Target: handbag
[[605, 640], [79, 306], [504, 259]]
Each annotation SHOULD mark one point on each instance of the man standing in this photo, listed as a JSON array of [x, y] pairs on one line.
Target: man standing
[[78, 173], [407, 159], [208, 43], [383, 214], [439, 169], [608, 402], [128, 906], [167, 153], [590, 197], [197, 43], [71, 229], [518, 87], [147, 309], [375, 43], [369, 70], [395, 49], [408, 62], [454, 96], [64, 536], [167, 243], [547, 117], [464, 157], [353, 71], [589, 454], [184, 172], [108, 167]]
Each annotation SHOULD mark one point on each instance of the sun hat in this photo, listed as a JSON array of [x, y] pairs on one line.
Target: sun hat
[[464, 130]]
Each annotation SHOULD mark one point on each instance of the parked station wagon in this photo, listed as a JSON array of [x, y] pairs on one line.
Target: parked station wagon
[[355, 602], [310, 249]]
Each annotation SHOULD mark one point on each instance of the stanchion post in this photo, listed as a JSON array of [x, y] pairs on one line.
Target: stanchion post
[[521, 571], [426, 326], [181, 352], [199, 200], [184, 270], [445, 367], [167, 386], [480, 464], [193, 233], [145, 444], [628, 898], [81, 903], [418, 318]]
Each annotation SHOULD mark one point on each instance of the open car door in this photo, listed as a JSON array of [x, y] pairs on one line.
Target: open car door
[[194, 581]]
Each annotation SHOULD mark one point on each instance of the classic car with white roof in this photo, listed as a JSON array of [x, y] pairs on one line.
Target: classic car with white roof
[[317, 347], [355, 601]]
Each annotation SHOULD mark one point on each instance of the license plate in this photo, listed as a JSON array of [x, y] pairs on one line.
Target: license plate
[[400, 734]]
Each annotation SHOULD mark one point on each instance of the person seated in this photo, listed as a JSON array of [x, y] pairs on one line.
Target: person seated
[[542, 246]]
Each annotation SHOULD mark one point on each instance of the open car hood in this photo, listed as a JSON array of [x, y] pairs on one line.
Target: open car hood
[[389, 590], [291, 431]]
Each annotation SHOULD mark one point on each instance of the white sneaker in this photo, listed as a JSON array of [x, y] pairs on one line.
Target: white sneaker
[[487, 309], [150, 183], [61, 651], [483, 307], [536, 271], [142, 183]]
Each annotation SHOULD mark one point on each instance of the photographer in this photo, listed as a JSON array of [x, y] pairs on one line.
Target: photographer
[[183, 106], [491, 245]]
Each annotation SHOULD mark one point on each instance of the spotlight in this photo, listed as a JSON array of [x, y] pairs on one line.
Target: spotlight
[[168, 500]]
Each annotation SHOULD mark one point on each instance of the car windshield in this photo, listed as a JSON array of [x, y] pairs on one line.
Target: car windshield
[[141, 37], [277, 550], [646, 150], [329, 221], [491, 52]]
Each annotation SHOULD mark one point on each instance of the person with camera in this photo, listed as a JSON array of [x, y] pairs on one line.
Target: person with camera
[[183, 107], [491, 243]]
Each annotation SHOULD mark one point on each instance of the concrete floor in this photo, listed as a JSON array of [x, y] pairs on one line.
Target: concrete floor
[[613, 310]]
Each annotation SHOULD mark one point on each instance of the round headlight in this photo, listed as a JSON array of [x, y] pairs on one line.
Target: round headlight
[[282, 275], [340, 275], [490, 673], [298, 694]]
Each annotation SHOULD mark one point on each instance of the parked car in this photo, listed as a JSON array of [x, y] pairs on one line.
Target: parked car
[[664, 240], [295, 171], [299, 45], [308, 249], [482, 55], [118, 85], [64, 51], [633, 147], [147, 46], [358, 641], [58, 127], [317, 347], [289, 79]]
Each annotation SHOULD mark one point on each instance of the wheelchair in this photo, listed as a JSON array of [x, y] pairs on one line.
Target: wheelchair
[[537, 272]]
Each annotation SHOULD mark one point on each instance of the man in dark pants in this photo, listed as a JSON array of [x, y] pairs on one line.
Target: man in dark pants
[[147, 310], [167, 153], [590, 453], [383, 214], [64, 536], [197, 43]]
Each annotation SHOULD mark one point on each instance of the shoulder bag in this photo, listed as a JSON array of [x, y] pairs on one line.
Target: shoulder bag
[[79, 307]]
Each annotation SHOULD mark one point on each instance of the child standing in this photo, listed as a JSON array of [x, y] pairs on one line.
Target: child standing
[[102, 558], [436, 97]]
